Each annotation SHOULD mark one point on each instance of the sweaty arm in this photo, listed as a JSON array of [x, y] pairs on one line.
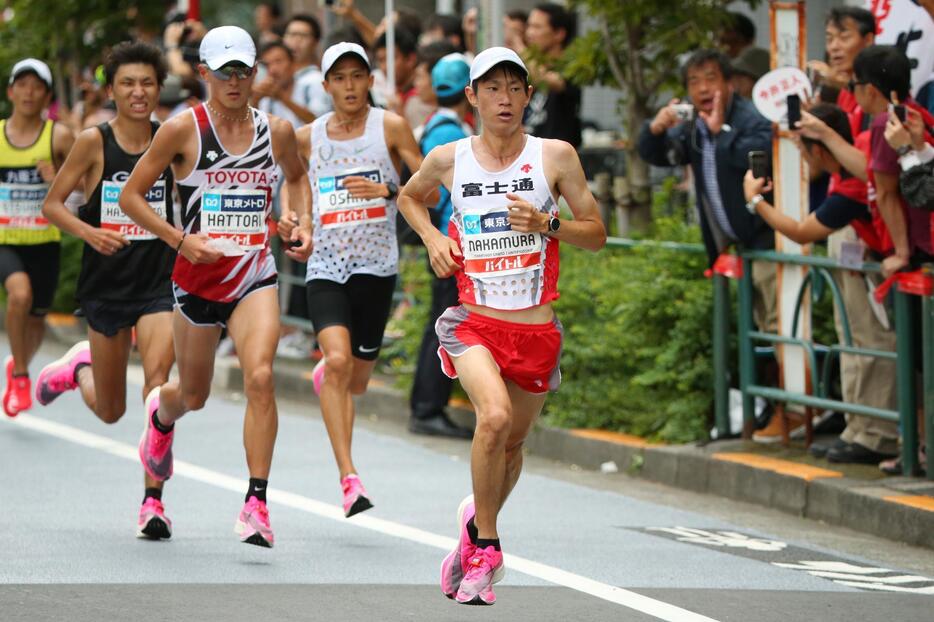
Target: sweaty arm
[[84, 160], [419, 195], [166, 147], [586, 230], [297, 193]]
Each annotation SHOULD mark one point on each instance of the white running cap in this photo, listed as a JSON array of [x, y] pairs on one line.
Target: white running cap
[[227, 44], [490, 57], [339, 50], [35, 66]]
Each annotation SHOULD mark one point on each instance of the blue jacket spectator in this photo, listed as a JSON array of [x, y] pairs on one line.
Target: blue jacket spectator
[[716, 142]]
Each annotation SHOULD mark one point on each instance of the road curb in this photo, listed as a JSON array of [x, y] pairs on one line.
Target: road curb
[[898, 509]]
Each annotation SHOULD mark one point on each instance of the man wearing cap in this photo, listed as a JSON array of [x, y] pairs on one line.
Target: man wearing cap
[[751, 64], [31, 151], [223, 155], [431, 389], [354, 157], [503, 341]]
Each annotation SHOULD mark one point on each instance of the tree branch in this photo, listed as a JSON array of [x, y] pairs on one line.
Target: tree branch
[[615, 68]]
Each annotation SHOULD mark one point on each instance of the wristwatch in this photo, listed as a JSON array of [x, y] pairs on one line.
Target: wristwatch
[[903, 150], [753, 202], [554, 223], [392, 190]]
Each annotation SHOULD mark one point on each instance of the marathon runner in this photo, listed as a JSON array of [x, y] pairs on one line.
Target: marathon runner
[[355, 154], [125, 278], [224, 156], [503, 341], [31, 150]]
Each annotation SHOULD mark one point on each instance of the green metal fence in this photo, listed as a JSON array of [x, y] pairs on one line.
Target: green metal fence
[[819, 269]]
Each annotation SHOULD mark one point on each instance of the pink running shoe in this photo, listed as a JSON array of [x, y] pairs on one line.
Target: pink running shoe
[[253, 524], [317, 376], [155, 448], [59, 376], [355, 497], [17, 396], [477, 585], [454, 565], [153, 523]]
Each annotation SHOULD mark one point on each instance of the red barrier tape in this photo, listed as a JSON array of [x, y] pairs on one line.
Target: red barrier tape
[[917, 283], [730, 266]]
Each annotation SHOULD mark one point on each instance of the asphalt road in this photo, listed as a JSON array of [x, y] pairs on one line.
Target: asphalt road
[[581, 546]]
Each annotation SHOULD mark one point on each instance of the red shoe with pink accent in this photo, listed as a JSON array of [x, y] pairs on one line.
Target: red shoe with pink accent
[[17, 395]]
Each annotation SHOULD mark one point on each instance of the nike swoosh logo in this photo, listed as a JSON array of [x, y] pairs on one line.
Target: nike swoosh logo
[[361, 149], [368, 350], [227, 47]]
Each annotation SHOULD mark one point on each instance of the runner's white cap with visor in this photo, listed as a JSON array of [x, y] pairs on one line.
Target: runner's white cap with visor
[[339, 50], [227, 44], [32, 65], [491, 57]]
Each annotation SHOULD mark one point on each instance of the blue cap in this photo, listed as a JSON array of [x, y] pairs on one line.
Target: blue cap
[[450, 75]]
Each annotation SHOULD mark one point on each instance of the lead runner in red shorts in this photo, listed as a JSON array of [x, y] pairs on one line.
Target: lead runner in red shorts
[[503, 341]]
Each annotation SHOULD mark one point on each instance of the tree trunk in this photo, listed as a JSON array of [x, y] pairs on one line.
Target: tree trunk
[[636, 196]]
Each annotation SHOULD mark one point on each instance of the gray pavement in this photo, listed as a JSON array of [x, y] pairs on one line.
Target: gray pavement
[[583, 545]]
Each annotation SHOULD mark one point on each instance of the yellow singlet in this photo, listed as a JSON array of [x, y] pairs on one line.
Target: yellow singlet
[[22, 190]]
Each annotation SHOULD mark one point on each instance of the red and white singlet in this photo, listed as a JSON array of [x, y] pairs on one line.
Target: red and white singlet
[[502, 268], [228, 197]]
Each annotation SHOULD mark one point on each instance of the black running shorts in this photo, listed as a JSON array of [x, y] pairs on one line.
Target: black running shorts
[[40, 262], [362, 304], [109, 317], [202, 312]]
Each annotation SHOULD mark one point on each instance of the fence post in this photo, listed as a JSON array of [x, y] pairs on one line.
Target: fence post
[[721, 348], [905, 374], [747, 362], [927, 349]]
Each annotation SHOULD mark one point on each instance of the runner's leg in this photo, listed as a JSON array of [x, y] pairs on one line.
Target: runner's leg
[[336, 400], [24, 331], [103, 384], [479, 375], [254, 328], [525, 410], [153, 338], [194, 347]]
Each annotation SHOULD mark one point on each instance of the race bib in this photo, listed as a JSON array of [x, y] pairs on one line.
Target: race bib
[[21, 206], [492, 248], [339, 209], [238, 215], [114, 219]]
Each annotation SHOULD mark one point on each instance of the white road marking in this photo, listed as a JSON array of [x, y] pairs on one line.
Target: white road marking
[[649, 606]]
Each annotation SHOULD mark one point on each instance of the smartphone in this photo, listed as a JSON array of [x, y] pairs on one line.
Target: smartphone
[[899, 111], [794, 110], [684, 112], [758, 164]]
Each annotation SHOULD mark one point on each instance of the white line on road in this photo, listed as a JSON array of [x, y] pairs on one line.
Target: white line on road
[[650, 606]]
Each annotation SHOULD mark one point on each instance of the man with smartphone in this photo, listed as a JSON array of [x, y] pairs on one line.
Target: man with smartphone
[[842, 215]]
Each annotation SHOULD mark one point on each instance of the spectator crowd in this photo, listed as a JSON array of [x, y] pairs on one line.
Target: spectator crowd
[[867, 144]]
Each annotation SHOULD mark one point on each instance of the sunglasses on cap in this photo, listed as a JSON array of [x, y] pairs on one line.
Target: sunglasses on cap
[[228, 71]]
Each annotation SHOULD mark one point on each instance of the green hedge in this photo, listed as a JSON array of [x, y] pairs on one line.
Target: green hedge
[[637, 350]]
